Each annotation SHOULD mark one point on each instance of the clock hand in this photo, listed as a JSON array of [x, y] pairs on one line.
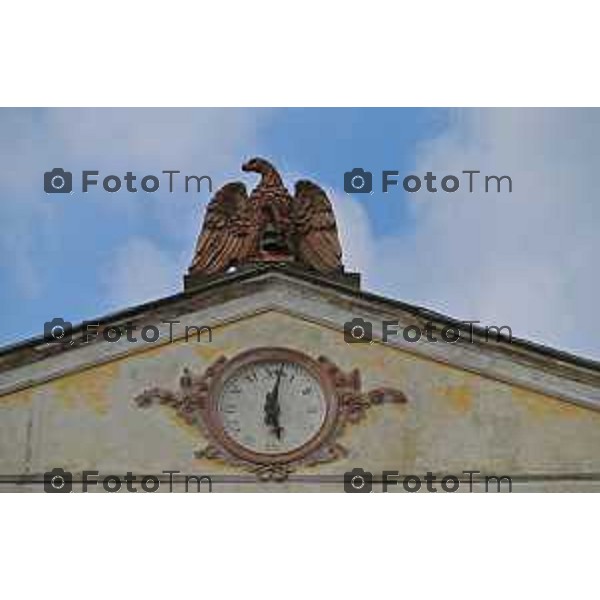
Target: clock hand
[[272, 406], [276, 388], [272, 411]]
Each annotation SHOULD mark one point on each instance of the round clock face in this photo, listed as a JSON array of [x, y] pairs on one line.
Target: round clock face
[[271, 406]]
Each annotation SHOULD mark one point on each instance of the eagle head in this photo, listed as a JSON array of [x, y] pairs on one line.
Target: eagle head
[[258, 165]]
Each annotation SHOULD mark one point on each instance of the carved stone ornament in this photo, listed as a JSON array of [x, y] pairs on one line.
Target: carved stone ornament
[[199, 402], [268, 225]]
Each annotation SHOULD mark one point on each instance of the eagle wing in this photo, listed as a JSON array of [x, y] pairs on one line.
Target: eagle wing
[[315, 229], [228, 233]]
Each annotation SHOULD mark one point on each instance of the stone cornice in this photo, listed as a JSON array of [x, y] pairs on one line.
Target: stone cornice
[[323, 302]]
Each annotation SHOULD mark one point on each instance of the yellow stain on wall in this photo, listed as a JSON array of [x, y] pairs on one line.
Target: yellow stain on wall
[[460, 397], [458, 388], [372, 357], [541, 406], [208, 352], [87, 388], [18, 398]]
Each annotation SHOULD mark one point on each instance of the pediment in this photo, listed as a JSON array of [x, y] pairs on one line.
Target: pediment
[[318, 304]]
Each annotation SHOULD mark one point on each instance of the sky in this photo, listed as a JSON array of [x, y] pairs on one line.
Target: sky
[[526, 258]]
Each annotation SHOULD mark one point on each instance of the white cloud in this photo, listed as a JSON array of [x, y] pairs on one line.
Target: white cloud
[[146, 141], [527, 259], [139, 271], [356, 235]]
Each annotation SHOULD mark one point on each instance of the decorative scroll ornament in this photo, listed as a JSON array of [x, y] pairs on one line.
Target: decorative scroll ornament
[[193, 404]]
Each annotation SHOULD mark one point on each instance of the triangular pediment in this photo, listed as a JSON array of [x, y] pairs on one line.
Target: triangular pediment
[[316, 303]]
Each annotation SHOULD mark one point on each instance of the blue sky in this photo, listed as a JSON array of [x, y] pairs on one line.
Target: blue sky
[[526, 259]]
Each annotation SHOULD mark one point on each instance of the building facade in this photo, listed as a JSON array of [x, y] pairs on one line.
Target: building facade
[[274, 371]]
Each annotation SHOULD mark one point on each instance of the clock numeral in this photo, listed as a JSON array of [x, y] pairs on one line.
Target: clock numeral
[[274, 370], [306, 391]]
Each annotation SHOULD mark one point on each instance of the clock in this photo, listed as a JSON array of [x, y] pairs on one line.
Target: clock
[[270, 410], [271, 405]]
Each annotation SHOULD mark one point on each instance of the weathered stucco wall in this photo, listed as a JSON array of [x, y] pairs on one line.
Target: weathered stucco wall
[[453, 420]]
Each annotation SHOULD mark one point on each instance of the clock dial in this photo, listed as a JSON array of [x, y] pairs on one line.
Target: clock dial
[[271, 406]]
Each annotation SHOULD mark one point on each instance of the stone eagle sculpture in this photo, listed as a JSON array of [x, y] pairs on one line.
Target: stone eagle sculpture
[[269, 225]]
